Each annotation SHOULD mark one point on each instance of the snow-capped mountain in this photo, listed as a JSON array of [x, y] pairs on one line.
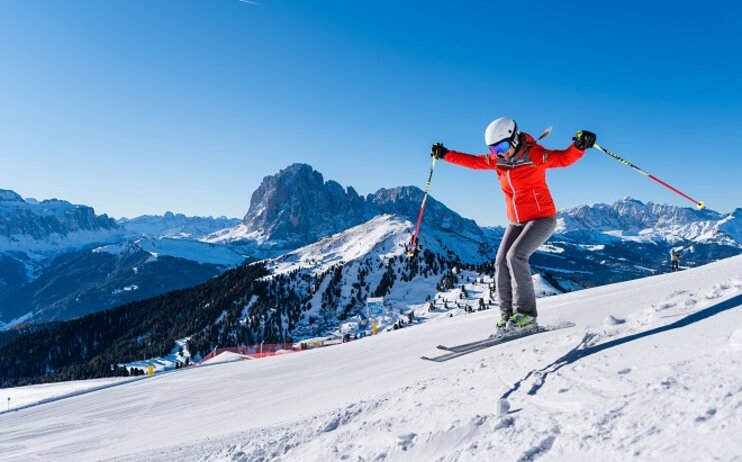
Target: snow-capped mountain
[[297, 206], [175, 225], [84, 281], [606, 243], [50, 227], [405, 202], [32, 233], [631, 218], [383, 237], [59, 260]]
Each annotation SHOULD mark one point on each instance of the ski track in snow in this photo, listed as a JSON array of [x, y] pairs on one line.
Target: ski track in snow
[[651, 372]]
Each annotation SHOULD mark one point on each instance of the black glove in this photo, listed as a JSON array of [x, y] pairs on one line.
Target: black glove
[[584, 140], [438, 151]]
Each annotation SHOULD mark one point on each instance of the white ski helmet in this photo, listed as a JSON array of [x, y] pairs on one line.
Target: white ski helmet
[[500, 130]]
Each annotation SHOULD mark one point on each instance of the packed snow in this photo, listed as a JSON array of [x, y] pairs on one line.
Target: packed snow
[[21, 397], [650, 371], [226, 357]]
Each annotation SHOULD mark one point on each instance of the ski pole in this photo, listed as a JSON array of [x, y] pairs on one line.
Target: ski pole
[[699, 204], [411, 252]]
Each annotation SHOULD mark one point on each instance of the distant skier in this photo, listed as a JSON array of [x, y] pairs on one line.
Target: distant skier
[[674, 260], [520, 164]]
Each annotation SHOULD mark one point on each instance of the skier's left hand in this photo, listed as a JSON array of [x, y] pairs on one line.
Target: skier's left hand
[[438, 151], [584, 140]]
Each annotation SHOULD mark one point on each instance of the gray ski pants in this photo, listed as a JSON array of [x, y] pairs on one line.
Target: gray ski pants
[[512, 271]]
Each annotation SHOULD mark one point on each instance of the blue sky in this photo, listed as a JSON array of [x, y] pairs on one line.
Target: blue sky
[[138, 107]]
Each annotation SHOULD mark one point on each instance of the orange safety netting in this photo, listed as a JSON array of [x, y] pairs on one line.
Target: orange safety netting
[[253, 351]]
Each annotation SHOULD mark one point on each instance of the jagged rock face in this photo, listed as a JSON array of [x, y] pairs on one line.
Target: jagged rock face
[[405, 201], [296, 206], [38, 220]]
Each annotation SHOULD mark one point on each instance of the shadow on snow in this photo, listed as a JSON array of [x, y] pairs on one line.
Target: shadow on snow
[[582, 350]]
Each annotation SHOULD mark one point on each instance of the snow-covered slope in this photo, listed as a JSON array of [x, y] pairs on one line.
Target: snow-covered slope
[[188, 249], [383, 236], [175, 225], [651, 371]]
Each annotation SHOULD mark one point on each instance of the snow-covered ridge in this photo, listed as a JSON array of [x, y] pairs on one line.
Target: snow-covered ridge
[[197, 251], [176, 225], [385, 235], [50, 226], [631, 219]]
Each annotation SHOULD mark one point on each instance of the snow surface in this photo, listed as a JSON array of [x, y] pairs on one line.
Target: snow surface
[[651, 371], [200, 252], [56, 243], [45, 392], [175, 225], [236, 233], [385, 234], [226, 357]]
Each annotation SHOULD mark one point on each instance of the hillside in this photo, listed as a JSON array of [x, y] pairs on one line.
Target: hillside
[[650, 366]]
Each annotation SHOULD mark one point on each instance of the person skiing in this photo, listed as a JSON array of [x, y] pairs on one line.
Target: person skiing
[[520, 163], [674, 260]]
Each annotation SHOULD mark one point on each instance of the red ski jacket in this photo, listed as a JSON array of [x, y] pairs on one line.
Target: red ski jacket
[[522, 177]]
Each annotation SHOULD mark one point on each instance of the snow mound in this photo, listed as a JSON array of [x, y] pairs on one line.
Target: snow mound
[[226, 357], [611, 320]]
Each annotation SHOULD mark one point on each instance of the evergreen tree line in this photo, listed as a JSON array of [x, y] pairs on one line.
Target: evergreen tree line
[[91, 346], [240, 307]]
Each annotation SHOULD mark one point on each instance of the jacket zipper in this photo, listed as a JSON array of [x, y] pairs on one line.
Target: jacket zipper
[[515, 209], [536, 197]]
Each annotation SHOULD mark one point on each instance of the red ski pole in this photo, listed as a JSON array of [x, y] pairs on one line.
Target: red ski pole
[[699, 204], [413, 243]]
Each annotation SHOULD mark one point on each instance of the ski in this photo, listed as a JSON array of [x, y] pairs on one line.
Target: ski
[[540, 329], [466, 348]]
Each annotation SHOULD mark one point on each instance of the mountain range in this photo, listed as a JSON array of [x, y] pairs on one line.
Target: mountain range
[[60, 261]]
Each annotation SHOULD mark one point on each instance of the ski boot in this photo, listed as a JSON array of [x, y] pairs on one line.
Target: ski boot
[[520, 322], [503, 326]]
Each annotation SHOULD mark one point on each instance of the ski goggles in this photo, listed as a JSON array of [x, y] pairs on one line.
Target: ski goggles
[[499, 148]]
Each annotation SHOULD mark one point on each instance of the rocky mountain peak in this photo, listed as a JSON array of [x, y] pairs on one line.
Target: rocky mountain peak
[[297, 206], [7, 195]]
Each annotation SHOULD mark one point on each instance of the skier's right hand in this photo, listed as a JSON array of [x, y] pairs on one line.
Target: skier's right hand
[[438, 151]]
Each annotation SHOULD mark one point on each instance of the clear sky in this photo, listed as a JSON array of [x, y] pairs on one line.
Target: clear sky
[[138, 107]]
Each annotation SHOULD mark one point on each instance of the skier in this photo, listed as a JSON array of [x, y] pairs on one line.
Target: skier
[[674, 260], [520, 164]]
